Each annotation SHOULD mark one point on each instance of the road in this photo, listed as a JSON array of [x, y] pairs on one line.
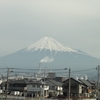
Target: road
[[9, 97]]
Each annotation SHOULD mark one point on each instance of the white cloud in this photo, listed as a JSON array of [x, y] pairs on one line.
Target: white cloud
[[46, 59]]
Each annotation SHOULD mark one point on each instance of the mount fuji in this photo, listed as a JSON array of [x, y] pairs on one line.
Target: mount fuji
[[50, 54]]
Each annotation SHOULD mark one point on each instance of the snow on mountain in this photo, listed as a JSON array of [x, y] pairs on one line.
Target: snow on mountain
[[49, 43]]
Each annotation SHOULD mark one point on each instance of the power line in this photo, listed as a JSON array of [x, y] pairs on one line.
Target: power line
[[16, 70], [56, 70], [47, 69], [83, 70], [37, 69]]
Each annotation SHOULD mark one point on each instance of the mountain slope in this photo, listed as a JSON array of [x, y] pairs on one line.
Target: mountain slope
[[50, 54]]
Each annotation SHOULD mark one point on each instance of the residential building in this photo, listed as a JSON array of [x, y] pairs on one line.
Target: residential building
[[18, 85], [78, 88], [55, 88], [75, 87], [37, 88]]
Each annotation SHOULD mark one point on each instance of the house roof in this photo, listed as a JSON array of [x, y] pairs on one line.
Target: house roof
[[36, 82], [54, 82], [92, 82], [24, 81], [74, 80], [85, 82], [18, 81], [81, 81]]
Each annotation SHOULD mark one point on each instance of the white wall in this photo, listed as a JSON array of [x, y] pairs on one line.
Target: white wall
[[31, 88]]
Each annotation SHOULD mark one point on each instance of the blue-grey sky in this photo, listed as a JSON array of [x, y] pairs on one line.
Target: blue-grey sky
[[75, 23]]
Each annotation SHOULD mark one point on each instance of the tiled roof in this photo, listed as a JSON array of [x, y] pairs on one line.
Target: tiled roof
[[87, 83], [54, 82], [18, 81], [36, 82], [74, 80]]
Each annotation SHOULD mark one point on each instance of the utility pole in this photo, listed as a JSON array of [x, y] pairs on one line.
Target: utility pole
[[98, 82], [7, 82], [69, 87], [8, 71], [44, 84], [69, 84]]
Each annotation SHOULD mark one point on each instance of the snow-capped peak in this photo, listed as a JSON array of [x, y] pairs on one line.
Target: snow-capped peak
[[49, 43]]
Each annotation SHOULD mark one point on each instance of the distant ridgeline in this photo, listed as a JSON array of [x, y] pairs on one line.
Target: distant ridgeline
[[50, 54]]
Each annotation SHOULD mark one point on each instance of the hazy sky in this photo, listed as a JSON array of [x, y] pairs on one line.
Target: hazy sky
[[75, 23]]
